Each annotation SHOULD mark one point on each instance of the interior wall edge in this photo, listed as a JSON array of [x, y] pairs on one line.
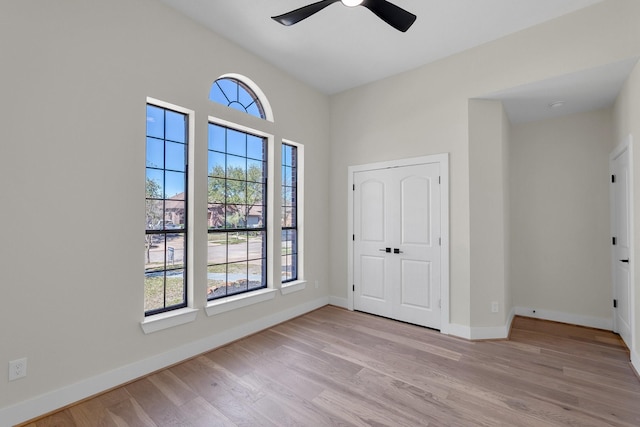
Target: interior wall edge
[[493, 332]]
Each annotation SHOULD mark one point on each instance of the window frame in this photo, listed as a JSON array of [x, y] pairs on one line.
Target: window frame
[[255, 90], [300, 282], [158, 319], [230, 302], [226, 229], [291, 187]]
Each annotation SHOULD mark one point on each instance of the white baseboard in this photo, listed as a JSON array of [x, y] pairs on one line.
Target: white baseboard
[[70, 394], [339, 302], [635, 361], [483, 332], [493, 332], [574, 319], [460, 331]]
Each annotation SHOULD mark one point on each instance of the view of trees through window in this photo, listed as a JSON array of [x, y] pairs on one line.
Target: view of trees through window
[[236, 212], [289, 211], [236, 218], [166, 220]]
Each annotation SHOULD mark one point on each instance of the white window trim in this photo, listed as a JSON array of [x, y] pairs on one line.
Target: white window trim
[[180, 316], [291, 287], [168, 319], [234, 302]]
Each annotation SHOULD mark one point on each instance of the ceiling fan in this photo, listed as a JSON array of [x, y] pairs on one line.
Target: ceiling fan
[[393, 15]]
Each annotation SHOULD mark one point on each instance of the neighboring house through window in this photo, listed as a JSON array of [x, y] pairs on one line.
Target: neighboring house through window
[[165, 284], [289, 212], [236, 212], [242, 226], [237, 196]]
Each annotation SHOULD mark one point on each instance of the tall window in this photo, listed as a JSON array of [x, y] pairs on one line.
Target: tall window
[[166, 210], [236, 212], [289, 216]]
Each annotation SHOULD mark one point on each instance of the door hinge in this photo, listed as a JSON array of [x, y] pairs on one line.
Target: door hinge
[[439, 182], [439, 241], [353, 236], [354, 187], [354, 288], [613, 179], [613, 239], [439, 303], [615, 303]]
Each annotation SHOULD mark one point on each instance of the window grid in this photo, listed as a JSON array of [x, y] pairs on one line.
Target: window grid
[[165, 286], [237, 232], [289, 219], [235, 94]]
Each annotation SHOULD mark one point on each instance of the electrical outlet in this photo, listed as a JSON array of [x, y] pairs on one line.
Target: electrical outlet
[[494, 307], [17, 369]]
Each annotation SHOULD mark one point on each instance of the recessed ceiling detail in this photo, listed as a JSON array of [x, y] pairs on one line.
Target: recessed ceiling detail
[[586, 90]]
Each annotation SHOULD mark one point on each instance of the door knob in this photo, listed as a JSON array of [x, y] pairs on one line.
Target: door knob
[[388, 250], [397, 251], [624, 260]]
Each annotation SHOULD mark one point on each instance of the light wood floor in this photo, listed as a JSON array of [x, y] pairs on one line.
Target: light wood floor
[[333, 367]]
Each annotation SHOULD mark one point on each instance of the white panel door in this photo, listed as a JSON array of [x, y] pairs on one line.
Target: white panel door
[[371, 263], [621, 226], [396, 243]]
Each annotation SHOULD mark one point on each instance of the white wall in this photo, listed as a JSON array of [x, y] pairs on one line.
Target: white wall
[[74, 81], [489, 216], [560, 222], [425, 111]]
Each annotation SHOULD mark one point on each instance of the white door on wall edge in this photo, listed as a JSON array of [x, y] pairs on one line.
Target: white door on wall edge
[[396, 243], [621, 225]]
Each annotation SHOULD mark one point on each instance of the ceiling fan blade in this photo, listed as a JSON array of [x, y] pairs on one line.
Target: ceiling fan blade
[[393, 15], [304, 12]]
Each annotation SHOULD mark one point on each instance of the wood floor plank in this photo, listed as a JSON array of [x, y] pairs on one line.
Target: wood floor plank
[[201, 413], [129, 413], [155, 404], [333, 367]]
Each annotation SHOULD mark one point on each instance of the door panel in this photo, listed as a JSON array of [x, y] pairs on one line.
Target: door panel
[[371, 266], [398, 208], [621, 250], [416, 283], [415, 210], [372, 216], [372, 272]]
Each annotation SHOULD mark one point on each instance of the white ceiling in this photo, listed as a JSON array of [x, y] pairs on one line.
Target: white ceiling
[[340, 48], [582, 91]]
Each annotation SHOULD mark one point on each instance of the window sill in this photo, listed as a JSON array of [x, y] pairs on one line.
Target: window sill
[[238, 301], [168, 320], [291, 287]]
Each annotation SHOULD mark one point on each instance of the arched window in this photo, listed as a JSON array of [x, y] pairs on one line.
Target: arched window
[[237, 192], [241, 94], [242, 224]]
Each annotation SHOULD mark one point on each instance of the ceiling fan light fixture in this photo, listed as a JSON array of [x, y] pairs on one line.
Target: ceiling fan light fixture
[[351, 3], [393, 15]]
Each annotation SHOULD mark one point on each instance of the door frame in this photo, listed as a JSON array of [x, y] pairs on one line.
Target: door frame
[[625, 145], [443, 160]]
